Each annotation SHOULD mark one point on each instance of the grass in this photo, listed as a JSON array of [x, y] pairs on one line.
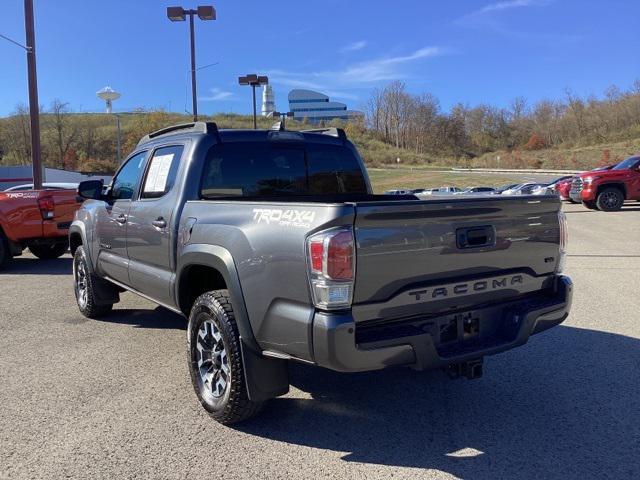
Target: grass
[[387, 179]]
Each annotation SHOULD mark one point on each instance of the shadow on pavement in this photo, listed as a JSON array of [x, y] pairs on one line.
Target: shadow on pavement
[[158, 318], [35, 266], [563, 406]]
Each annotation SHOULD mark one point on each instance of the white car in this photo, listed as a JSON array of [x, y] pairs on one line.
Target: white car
[[397, 192], [442, 191], [522, 188], [478, 191]]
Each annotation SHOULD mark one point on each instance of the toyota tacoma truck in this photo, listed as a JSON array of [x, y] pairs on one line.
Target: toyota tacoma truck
[[275, 248], [35, 219], [607, 189]]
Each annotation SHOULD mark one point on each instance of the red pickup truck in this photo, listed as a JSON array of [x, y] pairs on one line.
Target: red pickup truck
[[607, 190], [35, 219]]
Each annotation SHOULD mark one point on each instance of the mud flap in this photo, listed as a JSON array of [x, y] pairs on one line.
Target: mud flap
[[106, 292], [265, 377]]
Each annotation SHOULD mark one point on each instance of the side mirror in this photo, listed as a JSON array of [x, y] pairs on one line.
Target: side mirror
[[91, 189]]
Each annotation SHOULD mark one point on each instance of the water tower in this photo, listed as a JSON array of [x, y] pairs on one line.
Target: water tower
[[108, 94]]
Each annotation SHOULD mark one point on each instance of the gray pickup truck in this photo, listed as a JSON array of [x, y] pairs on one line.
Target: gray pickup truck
[[273, 245]]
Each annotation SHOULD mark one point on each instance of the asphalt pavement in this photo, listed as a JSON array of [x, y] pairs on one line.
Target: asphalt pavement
[[112, 399]]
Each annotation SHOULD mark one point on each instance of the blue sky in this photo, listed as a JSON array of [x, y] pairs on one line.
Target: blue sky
[[467, 51]]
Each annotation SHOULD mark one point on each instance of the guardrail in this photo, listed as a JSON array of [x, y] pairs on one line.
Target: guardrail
[[516, 170]]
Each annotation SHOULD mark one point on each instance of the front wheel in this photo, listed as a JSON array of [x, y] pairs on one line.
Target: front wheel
[[610, 200], [84, 287], [590, 205], [215, 359], [49, 251]]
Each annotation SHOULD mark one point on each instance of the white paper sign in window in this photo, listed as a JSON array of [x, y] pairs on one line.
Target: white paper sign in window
[[158, 174]]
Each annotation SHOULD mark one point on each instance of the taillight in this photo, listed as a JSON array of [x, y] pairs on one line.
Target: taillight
[[47, 207], [564, 239], [331, 259]]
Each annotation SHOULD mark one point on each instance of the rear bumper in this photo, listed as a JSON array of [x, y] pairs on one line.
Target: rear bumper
[[335, 344]]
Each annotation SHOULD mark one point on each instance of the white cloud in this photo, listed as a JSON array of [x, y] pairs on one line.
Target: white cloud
[[486, 11], [352, 47], [359, 74], [217, 95], [506, 5], [386, 68]]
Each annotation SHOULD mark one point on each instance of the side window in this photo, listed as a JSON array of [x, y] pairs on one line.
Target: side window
[[162, 171], [124, 184]]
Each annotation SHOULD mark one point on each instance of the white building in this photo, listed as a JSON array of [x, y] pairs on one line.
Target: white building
[[22, 175], [315, 106], [268, 101]]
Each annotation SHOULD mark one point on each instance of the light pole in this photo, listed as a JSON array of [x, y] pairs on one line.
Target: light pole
[[34, 107], [178, 14], [108, 94], [283, 119], [255, 81]]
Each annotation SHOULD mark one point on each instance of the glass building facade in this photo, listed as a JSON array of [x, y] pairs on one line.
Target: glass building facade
[[316, 106]]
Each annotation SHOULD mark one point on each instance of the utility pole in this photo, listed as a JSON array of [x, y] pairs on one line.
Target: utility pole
[[34, 105], [194, 95]]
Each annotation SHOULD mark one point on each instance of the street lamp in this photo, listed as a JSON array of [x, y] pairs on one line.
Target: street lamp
[[255, 81], [34, 106], [282, 124], [108, 94], [178, 14]]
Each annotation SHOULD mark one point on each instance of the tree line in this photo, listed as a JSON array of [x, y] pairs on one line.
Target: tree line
[[417, 123], [397, 125]]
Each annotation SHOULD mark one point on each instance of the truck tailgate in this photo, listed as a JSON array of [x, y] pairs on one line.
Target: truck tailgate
[[417, 257]]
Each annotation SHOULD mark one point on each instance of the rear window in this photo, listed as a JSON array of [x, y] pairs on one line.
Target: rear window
[[277, 169]]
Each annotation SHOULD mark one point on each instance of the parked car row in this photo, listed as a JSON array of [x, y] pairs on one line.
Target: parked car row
[[604, 188]]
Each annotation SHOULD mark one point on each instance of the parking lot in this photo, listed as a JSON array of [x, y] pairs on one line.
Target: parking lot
[[112, 398]]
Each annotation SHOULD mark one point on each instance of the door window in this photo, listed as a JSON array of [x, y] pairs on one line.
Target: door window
[[124, 184], [162, 171]]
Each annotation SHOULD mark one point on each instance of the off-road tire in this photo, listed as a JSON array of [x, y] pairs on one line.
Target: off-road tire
[[50, 251], [88, 305], [590, 205], [610, 200], [5, 251], [233, 405]]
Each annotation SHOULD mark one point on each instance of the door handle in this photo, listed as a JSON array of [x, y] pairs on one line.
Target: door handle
[[122, 219], [159, 222]]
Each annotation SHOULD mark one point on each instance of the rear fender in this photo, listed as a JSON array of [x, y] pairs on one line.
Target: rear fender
[[265, 377]]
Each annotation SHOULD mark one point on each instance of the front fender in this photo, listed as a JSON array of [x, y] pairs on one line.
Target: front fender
[[78, 227]]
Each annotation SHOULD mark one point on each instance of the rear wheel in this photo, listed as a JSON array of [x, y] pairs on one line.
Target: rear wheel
[[610, 200], [5, 252], [49, 251], [84, 283], [215, 359]]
